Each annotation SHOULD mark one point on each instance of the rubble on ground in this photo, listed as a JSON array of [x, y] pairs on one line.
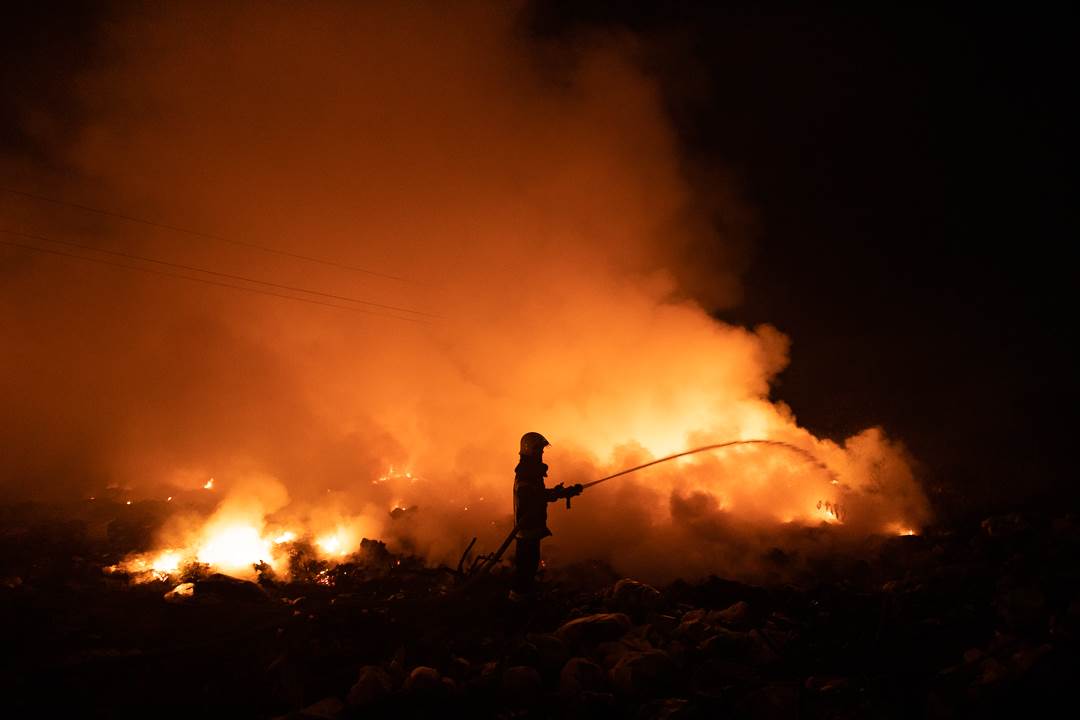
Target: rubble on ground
[[970, 622]]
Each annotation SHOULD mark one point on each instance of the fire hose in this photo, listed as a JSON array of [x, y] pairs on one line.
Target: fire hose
[[483, 563]]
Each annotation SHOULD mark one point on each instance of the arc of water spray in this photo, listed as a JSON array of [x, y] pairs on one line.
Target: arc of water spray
[[715, 446]]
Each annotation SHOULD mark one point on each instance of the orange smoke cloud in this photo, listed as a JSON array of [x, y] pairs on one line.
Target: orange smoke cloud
[[533, 199]]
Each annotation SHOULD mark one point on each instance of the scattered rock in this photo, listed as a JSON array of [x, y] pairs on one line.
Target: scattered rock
[[826, 683], [1004, 526], [609, 653], [693, 628], [735, 616], [1026, 658], [771, 702], [459, 669], [581, 675], [634, 598], [230, 589], [327, 708], [665, 624], [991, 672], [667, 709], [551, 652], [183, 592], [1021, 607], [521, 685], [372, 684], [724, 643], [488, 678], [593, 629], [524, 654], [423, 680], [643, 674], [594, 704], [758, 649]]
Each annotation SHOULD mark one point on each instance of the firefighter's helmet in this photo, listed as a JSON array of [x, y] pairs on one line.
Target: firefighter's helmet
[[533, 444]]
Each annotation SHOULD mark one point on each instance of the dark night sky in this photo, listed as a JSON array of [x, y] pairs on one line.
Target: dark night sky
[[909, 174], [908, 171]]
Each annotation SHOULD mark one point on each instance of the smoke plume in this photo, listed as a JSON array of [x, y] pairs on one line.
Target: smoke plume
[[520, 223]]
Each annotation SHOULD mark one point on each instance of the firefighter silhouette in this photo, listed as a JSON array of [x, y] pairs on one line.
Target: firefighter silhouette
[[531, 498]]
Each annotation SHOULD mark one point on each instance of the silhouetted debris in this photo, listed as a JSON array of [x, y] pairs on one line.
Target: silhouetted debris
[[193, 572], [423, 681], [634, 598], [668, 709], [592, 629], [551, 653], [521, 685], [977, 621], [372, 685], [224, 588], [581, 675], [181, 593], [642, 675], [400, 513], [326, 709]]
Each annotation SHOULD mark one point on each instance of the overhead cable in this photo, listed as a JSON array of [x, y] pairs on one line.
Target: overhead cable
[[230, 276], [215, 283], [199, 233]]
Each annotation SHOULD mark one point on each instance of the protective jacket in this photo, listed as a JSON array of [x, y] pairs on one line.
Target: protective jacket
[[531, 498]]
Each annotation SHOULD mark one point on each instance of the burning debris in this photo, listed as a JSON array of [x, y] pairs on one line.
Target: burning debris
[[243, 536]]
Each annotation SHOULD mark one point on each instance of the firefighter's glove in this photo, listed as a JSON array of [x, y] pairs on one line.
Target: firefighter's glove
[[575, 490]]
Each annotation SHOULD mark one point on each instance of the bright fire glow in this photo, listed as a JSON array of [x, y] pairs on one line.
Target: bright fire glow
[[338, 543], [236, 548], [330, 544], [209, 484], [151, 566], [167, 561]]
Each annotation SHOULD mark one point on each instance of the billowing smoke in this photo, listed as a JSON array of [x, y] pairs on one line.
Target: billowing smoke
[[518, 219]]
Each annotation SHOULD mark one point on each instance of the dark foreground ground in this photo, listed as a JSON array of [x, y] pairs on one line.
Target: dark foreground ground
[[981, 621]]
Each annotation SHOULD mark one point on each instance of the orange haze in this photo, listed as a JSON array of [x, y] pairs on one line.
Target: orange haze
[[533, 197]]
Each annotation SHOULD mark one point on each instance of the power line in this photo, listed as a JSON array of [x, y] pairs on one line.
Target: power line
[[229, 276], [215, 283], [199, 233]]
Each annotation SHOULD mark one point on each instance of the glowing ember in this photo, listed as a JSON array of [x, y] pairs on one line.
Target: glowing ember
[[828, 512], [330, 544], [393, 474], [236, 548], [209, 484], [338, 543], [167, 561]]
